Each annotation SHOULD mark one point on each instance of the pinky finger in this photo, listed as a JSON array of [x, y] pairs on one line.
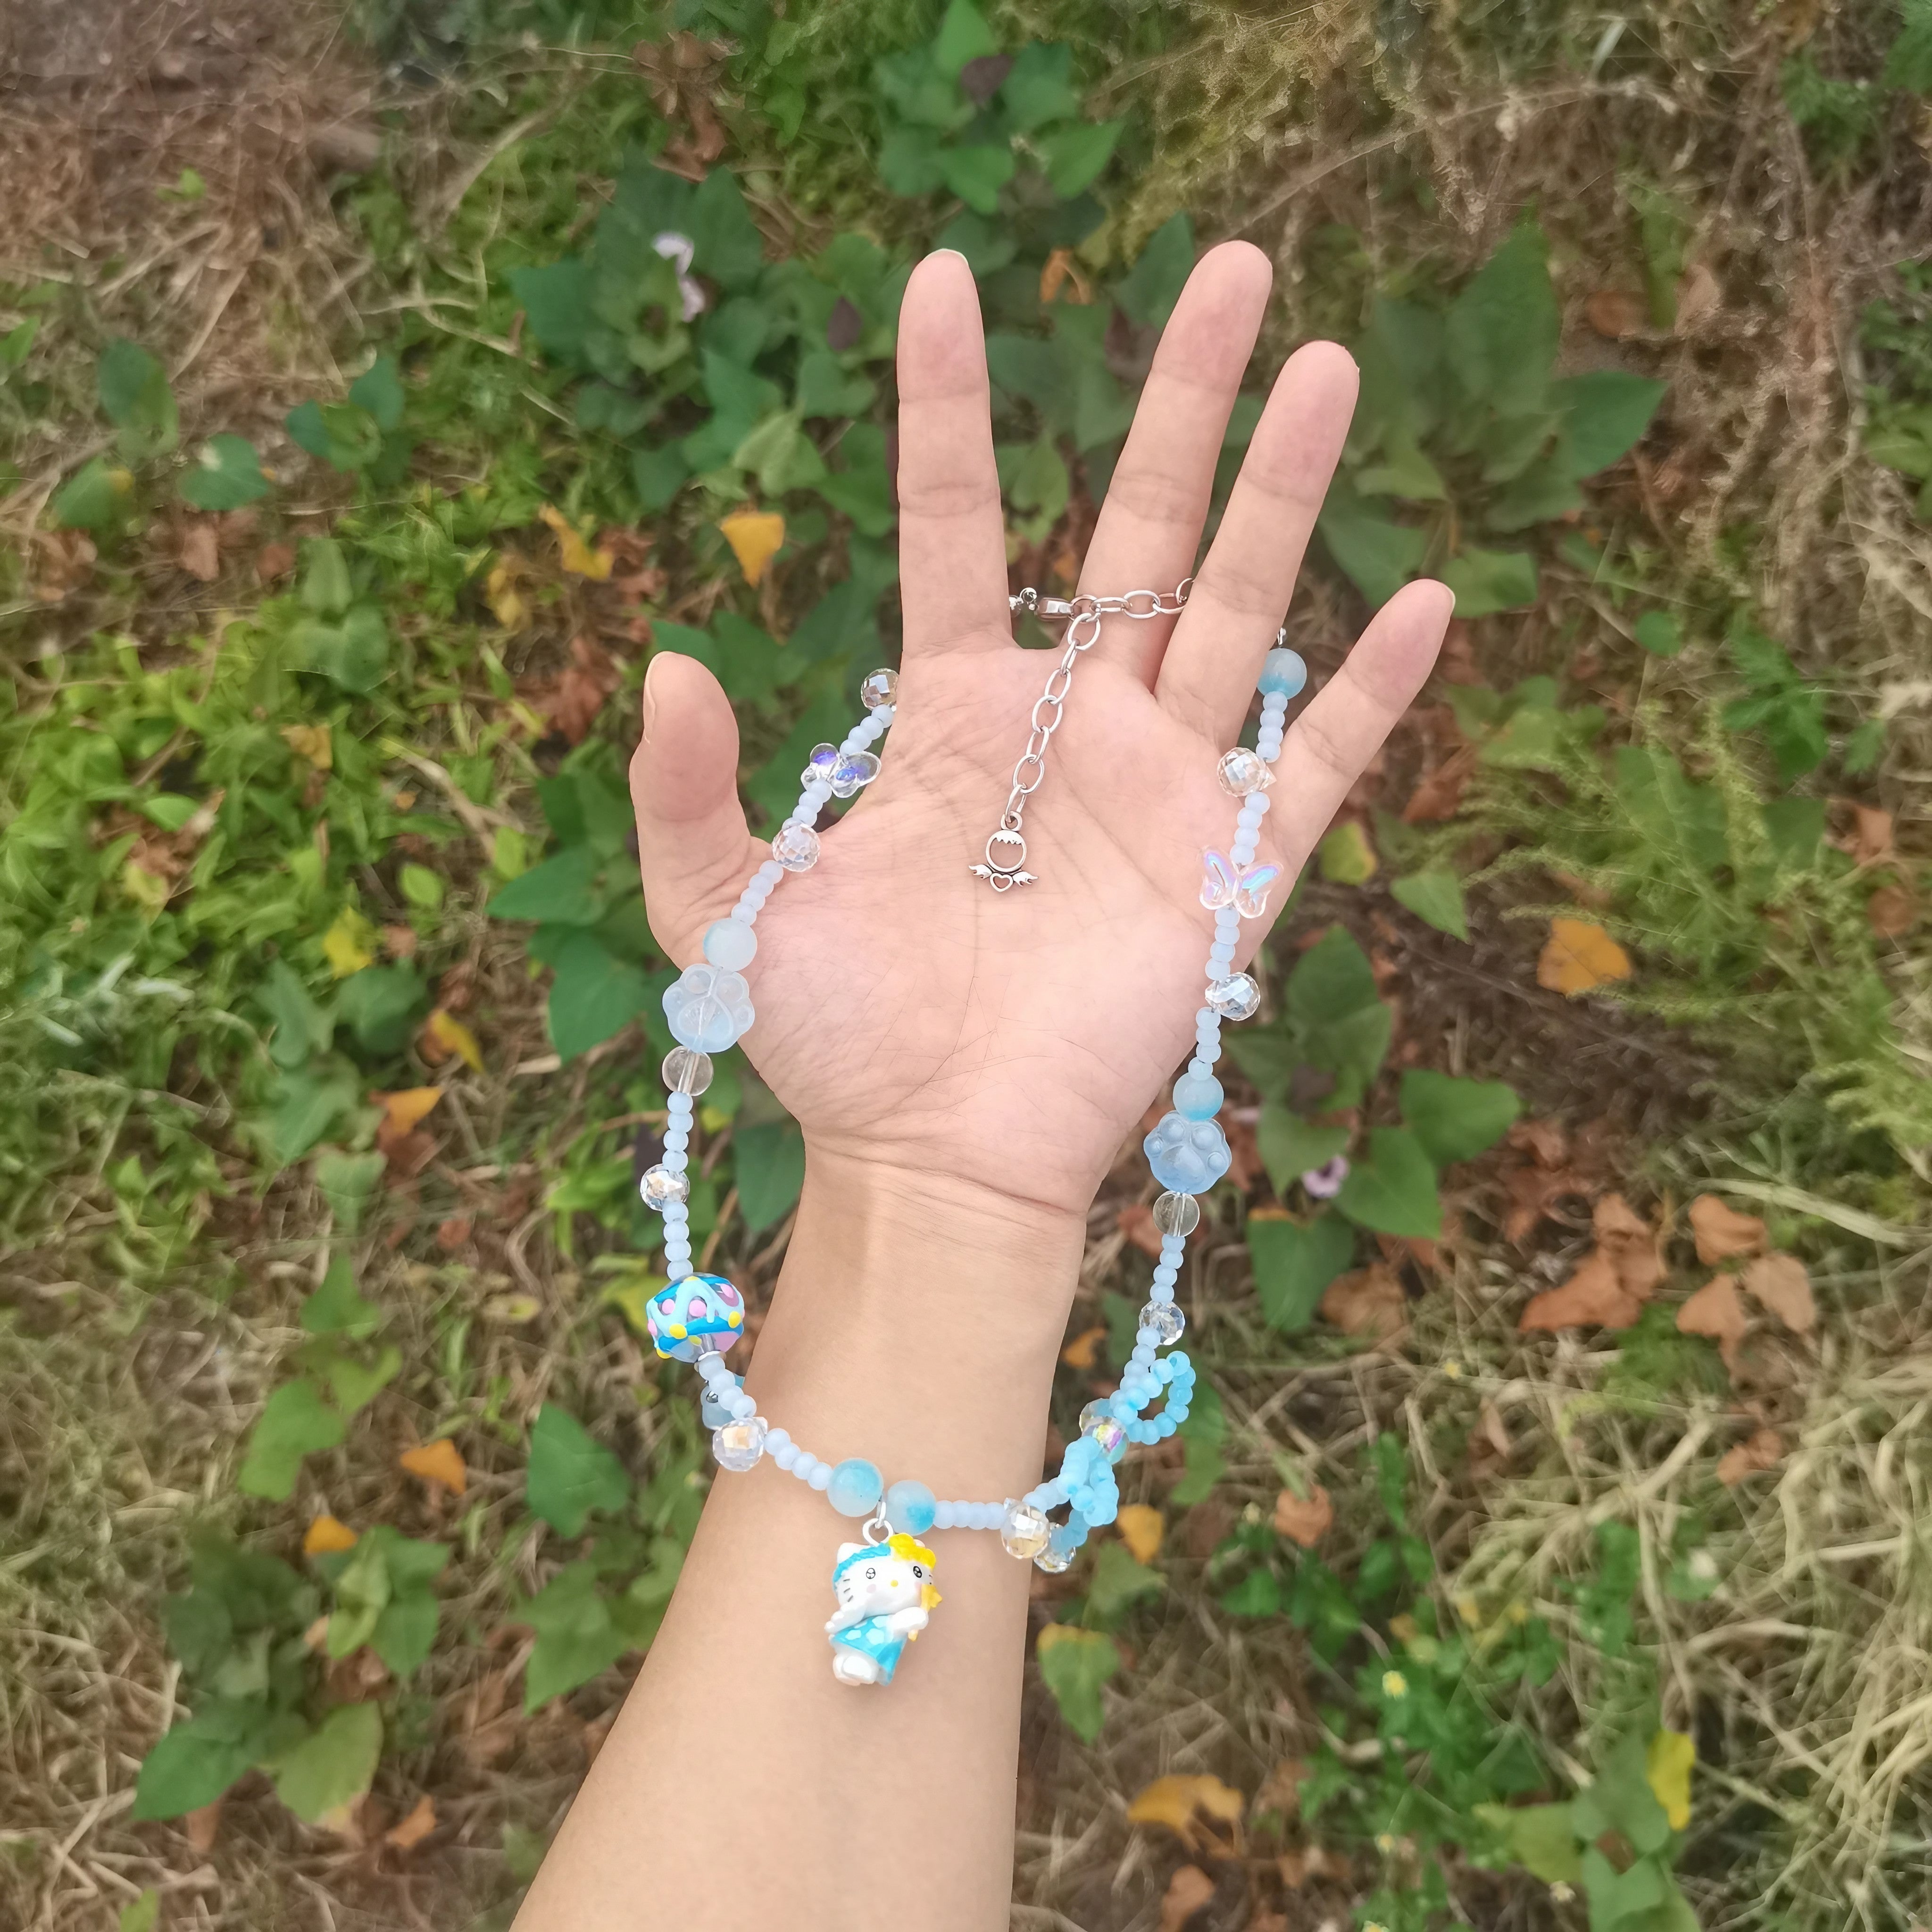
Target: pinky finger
[[1345, 724]]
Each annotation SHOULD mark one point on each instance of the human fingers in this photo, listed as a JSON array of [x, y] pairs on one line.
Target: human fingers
[[952, 539], [1235, 611], [1156, 502], [693, 846]]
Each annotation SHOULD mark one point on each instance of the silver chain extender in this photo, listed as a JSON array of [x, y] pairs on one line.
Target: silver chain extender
[[1006, 849]]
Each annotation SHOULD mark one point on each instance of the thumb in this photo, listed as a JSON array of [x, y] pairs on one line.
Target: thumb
[[695, 850]]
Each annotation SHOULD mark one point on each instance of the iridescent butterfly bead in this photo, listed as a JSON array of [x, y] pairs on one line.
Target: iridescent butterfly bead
[[843, 773], [1245, 887]]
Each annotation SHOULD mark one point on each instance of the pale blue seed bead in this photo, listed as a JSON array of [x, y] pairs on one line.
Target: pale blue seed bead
[[775, 1439], [677, 1159], [942, 1516], [821, 1478], [1282, 671], [728, 944], [909, 1506], [786, 1457], [1165, 1425], [802, 1468], [1197, 1097], [1173, 1246], [855, 1486]]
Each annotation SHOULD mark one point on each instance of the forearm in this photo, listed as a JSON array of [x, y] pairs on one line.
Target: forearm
[[915, 1324]]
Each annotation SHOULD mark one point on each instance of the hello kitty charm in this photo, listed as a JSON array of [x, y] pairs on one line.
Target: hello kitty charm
[[885, 1597]]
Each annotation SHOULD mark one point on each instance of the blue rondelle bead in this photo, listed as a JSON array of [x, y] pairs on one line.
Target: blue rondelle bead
[[855, 1487], [910, 1506], [1282, 670], [1197, 1097]]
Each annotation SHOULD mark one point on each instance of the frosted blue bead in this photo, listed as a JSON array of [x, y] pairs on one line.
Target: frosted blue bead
[[855, 1487], [1282, 670], [1186, 1156], [729, 943], [1197, 1095], [909, 1506]]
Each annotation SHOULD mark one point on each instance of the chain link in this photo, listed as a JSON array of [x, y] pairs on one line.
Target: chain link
[[1086, 614]]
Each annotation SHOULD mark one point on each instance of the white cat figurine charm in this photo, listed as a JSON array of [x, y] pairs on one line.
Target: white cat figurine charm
[[885, 1597]]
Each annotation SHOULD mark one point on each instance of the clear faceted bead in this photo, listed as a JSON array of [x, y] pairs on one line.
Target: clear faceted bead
[[1177, 1214], [795, 847], [1052, 1561], [738, 1445], [686, 1071], [1242, 771], [1166, 1320], [881, 688], [1106, 1430], [1025, 1530], [1236, 997], [660, 1187]]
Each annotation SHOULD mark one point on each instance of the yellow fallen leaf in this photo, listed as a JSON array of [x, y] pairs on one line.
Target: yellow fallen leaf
[[312, 743], [1181, 1803], [755, 537], [1667, 1768], [349, 944], [405, 1110], [508, 604], [1079, 1353], [451, 1037], [440, 1462], [579, 559], [1142, 1527], [408, 1832], [326, 1536], [1579, 955]]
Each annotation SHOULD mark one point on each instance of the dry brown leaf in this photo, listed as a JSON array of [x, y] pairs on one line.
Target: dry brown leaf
[[1303, 1519], [1618, 313], [1141, 1527], [453, 1233], [1578, 956], [1187, 1891], [1438, 795], [1870, 841], [1189, 1807], [1080, 1352], [408, 1833], [1891, 912], [1297, 1868], [1281, 1790], [439, 1463], [273, 561], [1136, 1222], [1546, 1141], [203, 1826], [1593, 1297], [402, 1111], [1265, 1921], [569, 702], [1368, 1301], [1062, 271], [1716, 1311], [1630, 1243], [1783, 1284], [200, 554], [1491, 1431], [399, 942], [1721, 1232], [1764, 1450], [325, 1536], [1698, 298]]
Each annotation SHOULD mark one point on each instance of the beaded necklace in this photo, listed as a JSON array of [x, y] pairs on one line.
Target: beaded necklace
[[884, 1586]]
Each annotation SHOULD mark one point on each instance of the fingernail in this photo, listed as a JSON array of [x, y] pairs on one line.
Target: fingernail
[[649, 701]]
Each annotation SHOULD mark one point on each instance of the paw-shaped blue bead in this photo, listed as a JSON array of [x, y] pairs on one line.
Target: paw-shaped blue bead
[[1187, 1156], [708, 1007]]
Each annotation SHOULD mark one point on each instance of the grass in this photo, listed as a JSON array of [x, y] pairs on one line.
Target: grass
[[160, 1250]]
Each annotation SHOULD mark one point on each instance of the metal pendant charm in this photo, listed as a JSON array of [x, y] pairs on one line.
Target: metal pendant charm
[[1006, 849]]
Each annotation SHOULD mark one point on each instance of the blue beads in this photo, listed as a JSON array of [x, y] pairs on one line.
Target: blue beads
[[708, 1008], [1197, 1097], [910, 1506], [1282, 670], [1187, 1156], [855, 1486], [730, 943]]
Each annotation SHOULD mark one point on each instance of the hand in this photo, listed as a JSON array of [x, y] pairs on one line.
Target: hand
[[919, 1025]]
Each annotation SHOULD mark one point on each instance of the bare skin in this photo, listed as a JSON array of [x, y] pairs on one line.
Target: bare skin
[[965, 1065]]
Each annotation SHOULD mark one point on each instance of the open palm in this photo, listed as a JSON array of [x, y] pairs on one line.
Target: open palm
[[910, 1016]]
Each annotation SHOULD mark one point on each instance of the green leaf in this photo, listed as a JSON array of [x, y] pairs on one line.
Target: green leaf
[[195, 1762], [343, 435], [826, 388], [300, 1028], [379, 1005], [346, 1181], [337, 1308], [1456, 1120], [307, 1104], [380, 390], [142, 1914], [327, 590], [94, 498], [1502, 328], [1294, 1264], [1201, 1436], [134, 393], [909, 163], [1485, 581], [964, 36], [1074, 156], [862, 488], [1616, 1897], [1332, 980], [354, 1383], [780, 454], [576, 1637], [1039, 88], [1118, 1582], [1540, 1838], [593, 994], [658, 475], [556, 301], [334, 1765], [1257, 1595], [570, 1473], [563, 890], [1346, 858], [1290, 1145], [1073, 1666], [769, 1162], [1378, 555], [1604, 412], [353, 654], [227, 474], [1659, 633], [295, 1422], [727, 245], [1391, 1190], [1794, 828], [977, 174], [1435, 898], [1909, 63]]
